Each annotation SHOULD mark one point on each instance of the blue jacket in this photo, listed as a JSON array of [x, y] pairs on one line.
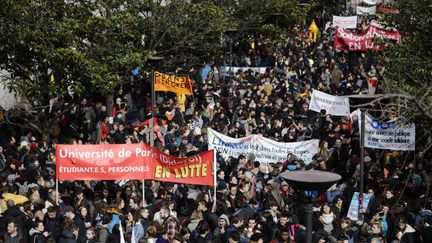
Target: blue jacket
[[138, 231], [115, 220]]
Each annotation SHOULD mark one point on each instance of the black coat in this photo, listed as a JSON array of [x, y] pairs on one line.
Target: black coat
[[36, 237], [200, 239], [408, 235], [426, 234], [211, 218], [67, 237], [12, 213], [53, 226], [82, 229]]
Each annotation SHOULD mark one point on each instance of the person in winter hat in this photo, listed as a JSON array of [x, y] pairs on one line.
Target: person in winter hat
[[223, 223]]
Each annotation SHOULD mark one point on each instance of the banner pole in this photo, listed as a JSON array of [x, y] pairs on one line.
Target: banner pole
[[214, 180], [143, 193], [362, 155], [214, 171], [57, 192], [151, 124]]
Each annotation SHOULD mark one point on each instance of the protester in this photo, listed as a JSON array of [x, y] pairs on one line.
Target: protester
[[37, 233], [13, 235], [252, 202]]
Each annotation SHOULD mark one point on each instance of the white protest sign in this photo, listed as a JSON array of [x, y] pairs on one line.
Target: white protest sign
[[370, 2], [366, 10], [262, 149], [389, 135], [224, 70], [334, 105], [343, 22], [356, 114]]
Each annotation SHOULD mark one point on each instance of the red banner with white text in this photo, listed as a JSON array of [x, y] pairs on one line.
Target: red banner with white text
[[133, 162], [345, 40]]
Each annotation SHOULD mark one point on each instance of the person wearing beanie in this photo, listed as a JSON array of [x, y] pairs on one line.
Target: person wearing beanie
[[224, 217], [223, 223]]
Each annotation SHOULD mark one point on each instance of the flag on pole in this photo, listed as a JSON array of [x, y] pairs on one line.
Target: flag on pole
[[133, 238], [52, 79], [122, 239], [156, 128], [373, 83], [172, 83]]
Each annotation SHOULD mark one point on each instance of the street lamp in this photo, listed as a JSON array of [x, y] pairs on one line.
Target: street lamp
[[310, 180], [154, 63], [362, 156], [230, 33]]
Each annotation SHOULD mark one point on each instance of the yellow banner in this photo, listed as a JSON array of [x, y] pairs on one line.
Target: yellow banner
[[172, 83]]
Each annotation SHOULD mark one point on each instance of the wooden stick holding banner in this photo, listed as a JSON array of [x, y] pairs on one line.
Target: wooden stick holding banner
[[214, 179], [154, 62], [143, 194], [215, 169], [362, 155], [57, 192]]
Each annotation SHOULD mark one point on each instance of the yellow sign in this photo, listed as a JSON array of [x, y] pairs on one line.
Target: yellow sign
[[172, 83]]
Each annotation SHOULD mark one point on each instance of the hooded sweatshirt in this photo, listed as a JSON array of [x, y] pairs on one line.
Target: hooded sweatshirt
[[407, 234], [36, 236]]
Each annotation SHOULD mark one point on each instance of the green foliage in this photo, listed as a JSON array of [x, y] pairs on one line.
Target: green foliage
[[267, 17], [409, 64], [93, 44], [90, 46], [69, 38], [96, 43]]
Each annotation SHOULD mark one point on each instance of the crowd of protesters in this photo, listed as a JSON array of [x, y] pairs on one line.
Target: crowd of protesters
[[252, 203]]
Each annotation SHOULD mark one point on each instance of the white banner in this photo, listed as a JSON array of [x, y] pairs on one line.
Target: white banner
[[388, 135], [223, 70], [357, 114], [334, 105], [370, 2], [366, 10], [261, 149], [349, 22]]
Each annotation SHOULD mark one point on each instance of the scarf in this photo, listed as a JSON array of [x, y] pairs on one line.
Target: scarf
[[328, 218]]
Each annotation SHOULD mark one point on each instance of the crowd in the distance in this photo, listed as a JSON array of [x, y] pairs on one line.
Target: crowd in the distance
[[252, 204]]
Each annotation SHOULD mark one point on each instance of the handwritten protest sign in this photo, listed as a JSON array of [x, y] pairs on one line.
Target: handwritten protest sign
[[345, 40], [345, 22], [334, 105], [172, 83]]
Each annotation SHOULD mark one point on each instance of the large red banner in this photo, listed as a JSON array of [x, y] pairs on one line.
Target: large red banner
[[388, 10], [131, 161], [345, 40]]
